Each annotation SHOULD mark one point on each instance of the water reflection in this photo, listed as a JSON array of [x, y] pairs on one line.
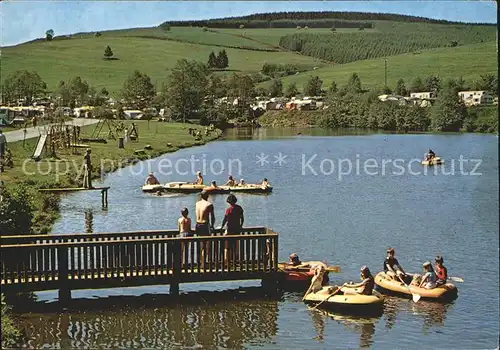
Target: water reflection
[[89, 221], [362, 325], [433, 313], [270, 133], [228, 319]]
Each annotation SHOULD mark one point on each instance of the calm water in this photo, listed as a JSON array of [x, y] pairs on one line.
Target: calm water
[[348, 220]]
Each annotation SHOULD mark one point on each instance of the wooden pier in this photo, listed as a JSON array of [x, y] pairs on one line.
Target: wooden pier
[[104, 192], [106, 260]]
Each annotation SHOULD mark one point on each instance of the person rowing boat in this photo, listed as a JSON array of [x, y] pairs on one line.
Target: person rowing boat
[[151, 180]]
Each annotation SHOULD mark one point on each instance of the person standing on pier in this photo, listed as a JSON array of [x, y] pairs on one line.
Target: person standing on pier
[[234, 219], [205, 220], [87, 169]]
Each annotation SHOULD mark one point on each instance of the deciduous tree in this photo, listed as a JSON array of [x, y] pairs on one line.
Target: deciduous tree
[[400, 88], [276, 88], [354, 84], [313, 86], [138, 89], [291, 90], [23, 84], [49, 35], [187, 89]]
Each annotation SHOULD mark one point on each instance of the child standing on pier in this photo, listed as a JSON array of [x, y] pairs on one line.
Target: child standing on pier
[[184, 224]]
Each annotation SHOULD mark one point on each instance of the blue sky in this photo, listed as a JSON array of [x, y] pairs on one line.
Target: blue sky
[[27, 20]]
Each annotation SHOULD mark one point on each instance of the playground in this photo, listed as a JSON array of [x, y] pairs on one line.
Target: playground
[[53, 160]]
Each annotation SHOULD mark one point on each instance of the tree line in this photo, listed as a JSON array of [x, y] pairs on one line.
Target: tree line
[[315, 15], [281, 23], [353, 106], [193, 91], [349, 47]]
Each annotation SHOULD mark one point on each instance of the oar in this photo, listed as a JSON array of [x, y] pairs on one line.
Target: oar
[[456, 279], [415, 297], [331, 295]]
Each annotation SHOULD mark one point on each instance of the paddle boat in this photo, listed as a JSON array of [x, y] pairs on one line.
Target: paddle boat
[[331, 298], [434, 161], [387, 285]]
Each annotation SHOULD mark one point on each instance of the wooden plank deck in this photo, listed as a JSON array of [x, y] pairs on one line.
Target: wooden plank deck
[[103, 276]]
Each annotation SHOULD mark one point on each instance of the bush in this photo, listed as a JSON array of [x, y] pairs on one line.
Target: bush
[[16, 211], [50, 202], [10, 334]]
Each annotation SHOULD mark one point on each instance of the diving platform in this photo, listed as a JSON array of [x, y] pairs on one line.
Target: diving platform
[[104, 192]]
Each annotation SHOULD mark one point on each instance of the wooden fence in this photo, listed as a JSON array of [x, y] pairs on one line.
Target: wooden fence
[[119, 259]]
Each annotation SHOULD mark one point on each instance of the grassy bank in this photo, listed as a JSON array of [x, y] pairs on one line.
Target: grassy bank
[[64, 171]]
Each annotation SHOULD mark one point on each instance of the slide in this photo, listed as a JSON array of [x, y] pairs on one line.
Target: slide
[[39, 146]]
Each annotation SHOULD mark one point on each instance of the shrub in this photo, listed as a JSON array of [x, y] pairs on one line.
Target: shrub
[[16, 211], [10, 333]]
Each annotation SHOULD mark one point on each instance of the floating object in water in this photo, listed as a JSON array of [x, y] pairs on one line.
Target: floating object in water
[[387, 285], [433, 161]]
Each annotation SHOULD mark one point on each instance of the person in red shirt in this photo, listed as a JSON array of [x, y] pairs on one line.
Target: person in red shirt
[[234, 219], [441, 271]]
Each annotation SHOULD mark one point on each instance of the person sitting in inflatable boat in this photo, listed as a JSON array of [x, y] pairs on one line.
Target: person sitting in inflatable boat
[[430, 155], [392, 267], [294, 260], [230, 181], [441, 271], [365, 286], [264, 183], [242, 183], [428, 280], [151, 180], [199, 178]]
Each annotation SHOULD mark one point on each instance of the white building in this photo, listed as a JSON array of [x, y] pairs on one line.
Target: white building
[[475, 98], [133, 114], [422, 95]]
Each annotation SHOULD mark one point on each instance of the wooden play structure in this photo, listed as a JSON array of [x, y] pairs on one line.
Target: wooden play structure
[[56, 137]]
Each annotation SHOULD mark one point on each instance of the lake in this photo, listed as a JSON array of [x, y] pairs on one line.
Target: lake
[[343, 198]]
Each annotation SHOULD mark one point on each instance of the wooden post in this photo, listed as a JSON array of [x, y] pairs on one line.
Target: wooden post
[[177, 259], [62, 264], [104, 198]]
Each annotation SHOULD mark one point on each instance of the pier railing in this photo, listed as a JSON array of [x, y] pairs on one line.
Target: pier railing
[[105, 260]]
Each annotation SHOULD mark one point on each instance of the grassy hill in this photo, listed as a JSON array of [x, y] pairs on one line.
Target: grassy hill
[[63, 59], [467, 61], [155, 51]]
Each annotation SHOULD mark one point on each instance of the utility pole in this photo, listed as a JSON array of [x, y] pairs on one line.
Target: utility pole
[[385, 59]]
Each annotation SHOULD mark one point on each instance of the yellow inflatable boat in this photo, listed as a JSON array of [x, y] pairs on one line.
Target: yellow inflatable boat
[[152, 188], [354, 304], [386, 285], [433, 161]]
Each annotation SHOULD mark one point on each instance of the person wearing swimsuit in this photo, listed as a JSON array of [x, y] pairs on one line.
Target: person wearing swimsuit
[[205, 220]]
